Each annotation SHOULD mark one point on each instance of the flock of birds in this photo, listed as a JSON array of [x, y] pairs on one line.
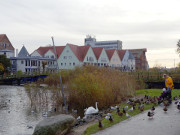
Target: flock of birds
[[132, 104], [140, 104]]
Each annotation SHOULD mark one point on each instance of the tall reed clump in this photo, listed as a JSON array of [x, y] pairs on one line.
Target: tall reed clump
[[53, 79], [106, 86]]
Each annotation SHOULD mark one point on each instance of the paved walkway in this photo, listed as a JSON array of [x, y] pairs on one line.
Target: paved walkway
[[162, 124]]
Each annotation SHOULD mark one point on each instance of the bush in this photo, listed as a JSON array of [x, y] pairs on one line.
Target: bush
[[106, 86]]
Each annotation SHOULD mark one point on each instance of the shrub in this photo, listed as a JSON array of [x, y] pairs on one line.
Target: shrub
[[106, 86]]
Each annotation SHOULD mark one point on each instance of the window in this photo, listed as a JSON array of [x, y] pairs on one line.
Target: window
[[22, 62], [69, 64], [70, 57], [67, 51], [4, 53], [73, 64], [65, 57], [13, 62], [103, 59], [61, 64], [65, 64], [91, 59]]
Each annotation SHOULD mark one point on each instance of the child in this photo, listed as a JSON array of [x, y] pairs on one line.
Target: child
[[166, 94], [163, 94]]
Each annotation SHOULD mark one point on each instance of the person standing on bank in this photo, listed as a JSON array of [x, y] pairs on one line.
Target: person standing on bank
[[169, 86]]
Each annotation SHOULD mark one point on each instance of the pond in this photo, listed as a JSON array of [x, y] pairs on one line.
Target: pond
[[17, 115]]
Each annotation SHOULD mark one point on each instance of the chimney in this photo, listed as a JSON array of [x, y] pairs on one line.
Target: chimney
[[16, 52]]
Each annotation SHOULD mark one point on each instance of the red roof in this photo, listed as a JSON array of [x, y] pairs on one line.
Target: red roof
[[43, 50], [110, 53], [79, 51], [2, 36], [83, 51], [97, 51], [121, 53]]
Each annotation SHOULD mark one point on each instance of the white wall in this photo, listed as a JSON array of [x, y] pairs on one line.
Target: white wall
[[35, 54], [103, 59], [8, 54], [115, 60], [20, 65], [67, 59], [49, 54]]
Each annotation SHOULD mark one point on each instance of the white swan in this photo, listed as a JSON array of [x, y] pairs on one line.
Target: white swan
[[91, 110]]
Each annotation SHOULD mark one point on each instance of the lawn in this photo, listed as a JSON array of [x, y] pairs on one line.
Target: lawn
[[106, 123]]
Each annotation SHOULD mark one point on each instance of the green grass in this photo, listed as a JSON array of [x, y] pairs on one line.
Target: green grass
[[156, 92], [152, 92]]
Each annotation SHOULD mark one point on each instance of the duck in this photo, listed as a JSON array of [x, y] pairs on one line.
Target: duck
[[45, 114], [131, 109], [127, 115], [178, 107], [91, 110], [117, 110], [165, 109], [124, 111], [176, 102], [100, 125], [111, 119], [29, 126], [147, 102], [175, 98], [153, 109], [150, 114], [120, 113], [114, 108], [74, 111], [78, 118], [141, 109], [126, 107]]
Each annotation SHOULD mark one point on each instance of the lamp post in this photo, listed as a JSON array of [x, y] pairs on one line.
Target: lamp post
[[62, 90]]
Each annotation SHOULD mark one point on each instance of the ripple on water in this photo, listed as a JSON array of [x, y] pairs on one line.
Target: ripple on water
[[16, 117]]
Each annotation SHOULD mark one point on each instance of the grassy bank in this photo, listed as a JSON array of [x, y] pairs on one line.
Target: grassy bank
[[152, 92]]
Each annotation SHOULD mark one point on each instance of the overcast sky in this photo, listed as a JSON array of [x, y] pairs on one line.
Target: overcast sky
[[151, 24]]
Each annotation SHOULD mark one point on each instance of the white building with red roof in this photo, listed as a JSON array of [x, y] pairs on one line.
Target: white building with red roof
[[6, 47], [114, 59], [101, 56], [127, 60], [41, 60]]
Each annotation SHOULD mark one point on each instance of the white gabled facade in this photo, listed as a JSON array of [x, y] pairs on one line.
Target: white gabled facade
[[103, 59], [49, 54], [115, 60], [68, 59], [90, 58], [36, 54], [128, 61]]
